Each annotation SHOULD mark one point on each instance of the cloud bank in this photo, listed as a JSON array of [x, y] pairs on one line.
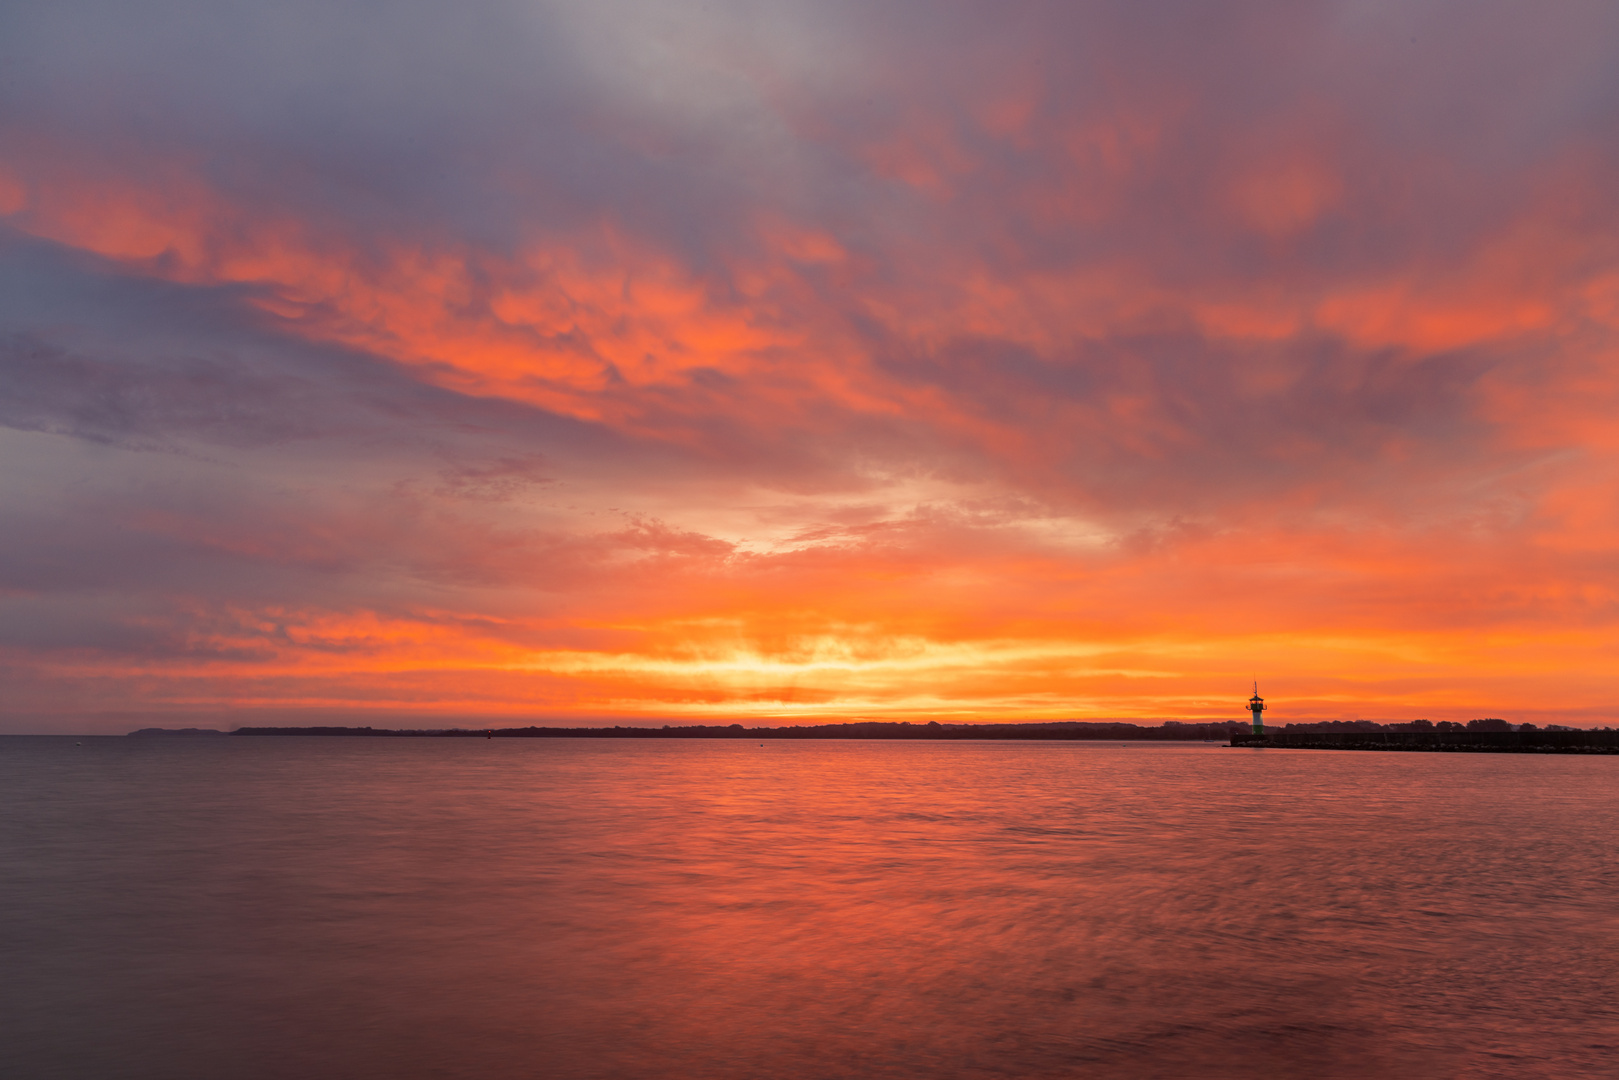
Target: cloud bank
[[781, 360]]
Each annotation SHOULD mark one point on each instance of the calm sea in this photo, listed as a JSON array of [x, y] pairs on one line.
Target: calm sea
[[311, 908]]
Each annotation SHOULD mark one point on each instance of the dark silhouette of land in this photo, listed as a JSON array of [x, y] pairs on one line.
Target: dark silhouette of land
[[179, 732], [1172, 731], [1488, 735]]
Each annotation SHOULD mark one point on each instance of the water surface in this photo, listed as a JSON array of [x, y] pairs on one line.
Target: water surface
[[376, 908]]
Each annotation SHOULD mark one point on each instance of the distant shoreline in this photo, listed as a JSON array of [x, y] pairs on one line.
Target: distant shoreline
[[1339, 735], [1059, 731]]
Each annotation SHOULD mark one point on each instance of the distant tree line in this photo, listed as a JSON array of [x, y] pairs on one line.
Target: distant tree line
[[1487, 724]]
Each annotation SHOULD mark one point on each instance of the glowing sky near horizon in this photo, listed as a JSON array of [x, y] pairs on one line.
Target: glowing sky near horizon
[[520, 362]]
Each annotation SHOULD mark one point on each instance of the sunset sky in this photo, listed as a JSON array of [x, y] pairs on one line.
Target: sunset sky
[[500, 362]]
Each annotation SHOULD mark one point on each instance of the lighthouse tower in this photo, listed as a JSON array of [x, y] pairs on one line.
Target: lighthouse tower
[[1256, 705]]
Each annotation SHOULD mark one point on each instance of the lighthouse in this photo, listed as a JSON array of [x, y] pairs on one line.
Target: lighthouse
[[1256, 705]]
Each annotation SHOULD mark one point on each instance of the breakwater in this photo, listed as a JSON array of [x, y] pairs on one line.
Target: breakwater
[[1497, 742]]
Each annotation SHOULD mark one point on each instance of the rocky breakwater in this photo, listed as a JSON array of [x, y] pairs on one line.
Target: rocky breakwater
[[1496, 742]]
